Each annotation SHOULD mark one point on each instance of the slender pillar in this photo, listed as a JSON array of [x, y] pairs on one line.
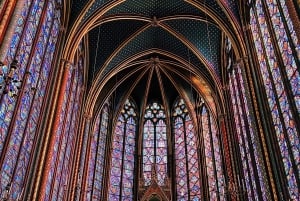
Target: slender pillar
[[75, 183], [261, 133], [46, 164], [86, 154], [6, 12], [227, 153]]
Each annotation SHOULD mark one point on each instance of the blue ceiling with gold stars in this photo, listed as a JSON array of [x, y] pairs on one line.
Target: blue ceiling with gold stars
[[179, 27]]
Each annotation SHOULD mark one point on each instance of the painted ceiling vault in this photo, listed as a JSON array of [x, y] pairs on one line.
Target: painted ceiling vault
[[154, 49]]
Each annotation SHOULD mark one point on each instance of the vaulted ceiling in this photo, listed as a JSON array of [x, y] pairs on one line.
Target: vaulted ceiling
[[155, 49]]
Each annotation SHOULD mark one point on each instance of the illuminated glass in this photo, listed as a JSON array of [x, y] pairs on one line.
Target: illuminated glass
[[97, 156], [154, 144], [66, 134], [290, 26], [186, 155], [285, 47], [122, 159], [100, 157], [283, 120], [35, 36]]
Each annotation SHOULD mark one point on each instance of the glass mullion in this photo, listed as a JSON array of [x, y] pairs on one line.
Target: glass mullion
[[275, 106], [261, 174], [243, 149]]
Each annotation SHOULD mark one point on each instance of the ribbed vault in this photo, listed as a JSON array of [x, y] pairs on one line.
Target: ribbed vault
[[169, 48]]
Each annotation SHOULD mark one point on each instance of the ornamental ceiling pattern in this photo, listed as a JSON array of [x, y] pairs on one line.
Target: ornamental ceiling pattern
[[121, 32]]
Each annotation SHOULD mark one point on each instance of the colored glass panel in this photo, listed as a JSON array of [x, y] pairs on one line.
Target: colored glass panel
[[25, 46], [192, 159], [27, 115], [92, 157], [154, 144], [181, 166], [275, 93], [68, 135], [209, 158], [64, 141], [161, 152], [122, 159], [247, 163], [285, 49], [59, 135], [253, 133], [186, 155], [148, 151], [100, 157], [290, 26], [217, 159]]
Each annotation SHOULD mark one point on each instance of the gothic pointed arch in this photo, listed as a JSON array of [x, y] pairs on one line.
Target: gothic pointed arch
[[121, 176]]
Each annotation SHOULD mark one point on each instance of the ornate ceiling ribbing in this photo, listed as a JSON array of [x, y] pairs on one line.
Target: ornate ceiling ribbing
[[205, 37], [121, 32]]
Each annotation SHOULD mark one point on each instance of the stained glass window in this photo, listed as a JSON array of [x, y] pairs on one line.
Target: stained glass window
[[35, 36], [213, 156], [276, 85], [122, 158], [66, 134], [186, 155], [154, 144], [290, 26], [213, 161], [97, 156], [285, 47]]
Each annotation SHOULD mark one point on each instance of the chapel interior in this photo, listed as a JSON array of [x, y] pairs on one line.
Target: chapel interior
[[149, 100]]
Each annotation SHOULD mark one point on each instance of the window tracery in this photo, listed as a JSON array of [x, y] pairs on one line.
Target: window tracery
[[122, 156], [59, 173], [188, 176], [279, 81], [155, 144], [33, 44]]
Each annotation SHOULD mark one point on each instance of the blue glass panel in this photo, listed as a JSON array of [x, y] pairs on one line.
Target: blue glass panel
[[258, 25], [123, 149]]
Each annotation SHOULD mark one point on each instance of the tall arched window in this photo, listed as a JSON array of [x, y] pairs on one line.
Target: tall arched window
[[154, 144], [213, 157], [278, 57], [33, 45], [254, 173], [187, 158], [252, 165], [97, 155], [186, 154], [122, 156], [67, 130]]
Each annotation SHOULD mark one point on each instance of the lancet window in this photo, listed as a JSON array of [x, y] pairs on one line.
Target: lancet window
[[154, 143], [278, 58], [32, 46], [122, 156]]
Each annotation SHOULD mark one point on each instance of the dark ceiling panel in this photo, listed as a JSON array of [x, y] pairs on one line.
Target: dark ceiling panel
[[96, 5], [213, 4], [158, 8], [77, 6], [206, 37], [152, 8], [112, 34], [154, 37]]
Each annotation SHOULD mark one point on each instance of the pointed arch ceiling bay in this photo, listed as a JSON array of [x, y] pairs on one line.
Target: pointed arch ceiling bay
[[136, 31]]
